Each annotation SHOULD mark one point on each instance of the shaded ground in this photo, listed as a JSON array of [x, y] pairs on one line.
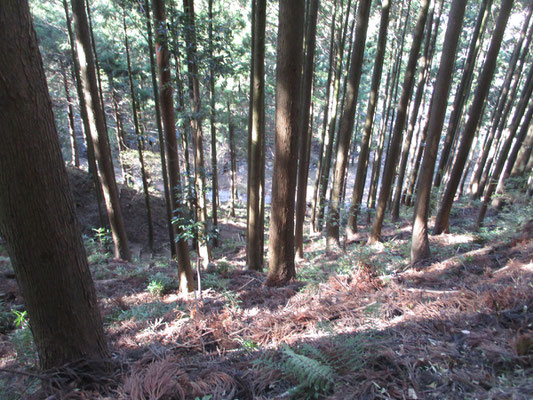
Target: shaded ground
[[358, 324]]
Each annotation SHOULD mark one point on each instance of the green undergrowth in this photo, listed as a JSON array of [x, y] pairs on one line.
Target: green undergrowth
[[143, 312]]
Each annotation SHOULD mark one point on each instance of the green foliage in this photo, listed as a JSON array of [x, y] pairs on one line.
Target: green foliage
[[161, 284], [22, 339], [143, 312], [213, 281]]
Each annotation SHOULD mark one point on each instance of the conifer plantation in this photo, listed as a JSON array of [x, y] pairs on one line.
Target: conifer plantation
[[250, 199]]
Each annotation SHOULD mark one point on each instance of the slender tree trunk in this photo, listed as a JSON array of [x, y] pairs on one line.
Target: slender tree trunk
[[185, 272], [288, 70], [212, 100], [119, 131], [362, 161], [347, 121], [463, 89], [305, 134], [497, 182], [37, 215], [75, 159], [140, 149], [399, 123], [424, 72], [98, 133], [255, 243], [502, 110], [91, 159], [164, 172], [439, 101], [196, 125], [334, 91], [332, 57], [233, 163], [443, 216], [520, 166]]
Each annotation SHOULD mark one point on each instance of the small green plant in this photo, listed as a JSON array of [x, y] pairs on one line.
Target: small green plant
[[22, 339], [213, 281], [161, 284], [103, 236], [143, 312], [155, 288]]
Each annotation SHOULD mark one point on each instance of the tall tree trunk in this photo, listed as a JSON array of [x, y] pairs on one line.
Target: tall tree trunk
[[185, 272], [164, 172], [288, 70], [212, 101], [255, 243], [334, 91], [501, 112], [98, 132], [425, 67], [119, 131], [233, 162], [305, 134], [495, 181], [485, 79], [439, 101], [399, 123], [332, 58], [91, 159], [520, 166], [362, 161], [37, 215], [347, 121], [74, 156], [196, 125], [463, 89]]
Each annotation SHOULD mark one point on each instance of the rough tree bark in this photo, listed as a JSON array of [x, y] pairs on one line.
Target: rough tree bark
[[420, 242], [98, 132], [347, 120], [288, 71], [37, 215], [185, 272]]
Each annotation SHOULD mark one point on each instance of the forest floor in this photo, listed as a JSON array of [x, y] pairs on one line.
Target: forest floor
[[359, 323]]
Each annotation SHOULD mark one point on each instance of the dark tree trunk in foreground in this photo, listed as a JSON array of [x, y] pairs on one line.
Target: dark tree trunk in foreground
[[464, 88], [98, 132], [347, 121], [420, 242], [212, 103], [407, 89], [37, 216], [362, 161], [255, 243], [164, 172], [196, 125], [186, 275], [288, 71], [305, 134], [485, 79]]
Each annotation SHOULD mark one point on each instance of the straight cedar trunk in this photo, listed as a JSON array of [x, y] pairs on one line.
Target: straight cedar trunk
[[463, 89], [37, 215], [425, 67], [233, 162], [91, 159], [98, 132], [334, 91], [196, 126], [288, 71], [439, 101], [119, 131], [506, 147], [185, 272], [138, 135], [501, 113], [407, 89], [332, 58], [519, 168], [74, 156], [212, 103], [305, 133], [164, 172], [484, 81], [362, 161], [255, 243], [347, 120]]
